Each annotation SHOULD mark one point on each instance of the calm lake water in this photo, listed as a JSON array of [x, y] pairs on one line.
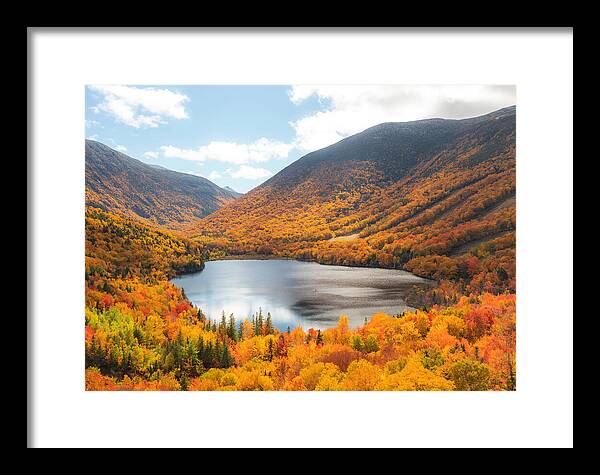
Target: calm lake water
[[297, 293]]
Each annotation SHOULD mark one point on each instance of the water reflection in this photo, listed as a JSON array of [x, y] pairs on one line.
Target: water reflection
[[297, 293]]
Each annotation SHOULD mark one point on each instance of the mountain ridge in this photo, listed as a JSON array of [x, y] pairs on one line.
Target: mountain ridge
[[413, 194], [119, 183]]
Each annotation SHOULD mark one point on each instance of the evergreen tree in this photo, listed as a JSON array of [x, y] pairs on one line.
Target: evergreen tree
[[319, 338], [357, 343], [226, 359], [92, 355], [223, 325], [269, 325], [208, 356], [217, 355], [260, 322], [371, 344], [201, 315], [178, 350], [231, 329], [183, 381], [200, 349], [511, 382]]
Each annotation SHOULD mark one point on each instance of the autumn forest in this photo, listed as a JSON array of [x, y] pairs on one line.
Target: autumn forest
[[436, 198]]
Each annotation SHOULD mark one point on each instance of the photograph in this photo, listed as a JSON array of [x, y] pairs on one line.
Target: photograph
[[300, 238]]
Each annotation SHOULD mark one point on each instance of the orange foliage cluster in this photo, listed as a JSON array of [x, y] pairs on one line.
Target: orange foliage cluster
[[142, 333], [117, 246], [467, 346]]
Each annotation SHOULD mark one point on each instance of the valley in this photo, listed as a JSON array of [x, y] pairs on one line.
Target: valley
[[404, 196], [431, 199]]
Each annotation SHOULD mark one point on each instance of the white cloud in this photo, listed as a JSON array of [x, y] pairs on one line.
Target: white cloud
[[351, 109], [185, 154], [93, 137], [214, 175], [150, 154], [260, 151], [249, 173], [121, 148], [140, 107], [92, 123]]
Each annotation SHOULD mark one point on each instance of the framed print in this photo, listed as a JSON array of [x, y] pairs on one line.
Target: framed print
[[232, 227]]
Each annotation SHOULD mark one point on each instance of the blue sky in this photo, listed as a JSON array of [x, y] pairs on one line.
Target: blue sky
[[239, 136]]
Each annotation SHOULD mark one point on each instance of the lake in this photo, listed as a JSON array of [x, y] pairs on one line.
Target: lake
[[297, 293]]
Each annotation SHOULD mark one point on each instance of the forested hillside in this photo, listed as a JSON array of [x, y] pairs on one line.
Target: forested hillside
[[435, 197], [142, 333], [152, 194]]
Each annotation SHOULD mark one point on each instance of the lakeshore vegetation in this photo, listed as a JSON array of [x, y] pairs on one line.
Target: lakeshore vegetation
[[142, 333]]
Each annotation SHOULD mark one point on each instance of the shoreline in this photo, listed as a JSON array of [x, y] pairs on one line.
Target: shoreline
[[251, 257], [271, 257]]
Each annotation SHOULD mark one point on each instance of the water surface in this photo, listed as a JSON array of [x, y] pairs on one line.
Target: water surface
[[297, 293]]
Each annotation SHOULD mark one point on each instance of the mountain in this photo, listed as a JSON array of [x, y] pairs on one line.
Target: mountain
[[228, 188], [425, 196], [117, 182]]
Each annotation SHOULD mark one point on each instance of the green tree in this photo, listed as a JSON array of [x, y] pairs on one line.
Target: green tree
[[226, 359], [231, 329], [223, 325], [371, 344], [431, 358], [184, 381], [470, 375], [269, 330], [357, 343], [319, 339], [259, 322]]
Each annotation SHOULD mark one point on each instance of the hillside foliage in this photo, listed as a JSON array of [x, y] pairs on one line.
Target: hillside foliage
[[151, 194], [449, 216], [436, 198], [148, 337]]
